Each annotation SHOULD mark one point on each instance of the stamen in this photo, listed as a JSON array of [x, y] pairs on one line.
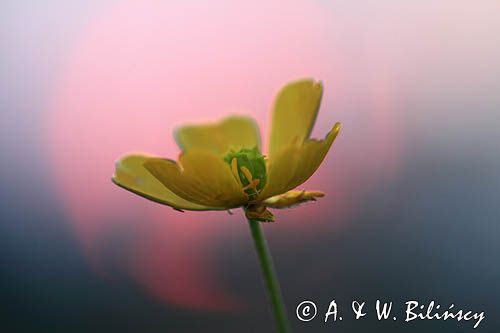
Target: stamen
[[252, 185], [247, 173], [251, 189], [234, 170], [253, 182]]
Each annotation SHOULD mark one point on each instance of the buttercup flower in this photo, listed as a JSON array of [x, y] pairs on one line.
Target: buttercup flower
[[222, 166]]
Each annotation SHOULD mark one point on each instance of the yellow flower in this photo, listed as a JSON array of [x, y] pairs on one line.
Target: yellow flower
[[221, 165]]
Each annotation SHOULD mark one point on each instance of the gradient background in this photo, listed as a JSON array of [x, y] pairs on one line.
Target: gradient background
[[412, 182]]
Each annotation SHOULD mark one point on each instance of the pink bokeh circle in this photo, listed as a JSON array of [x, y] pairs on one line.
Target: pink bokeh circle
[[144, 67]]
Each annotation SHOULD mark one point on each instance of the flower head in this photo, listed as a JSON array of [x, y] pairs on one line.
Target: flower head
[[222, 166]]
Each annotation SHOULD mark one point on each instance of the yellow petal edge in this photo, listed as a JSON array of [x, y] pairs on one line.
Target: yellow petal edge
[[200, 177], [292, 198], [232, 132], [131, 175], [293, 165], [294, 114]]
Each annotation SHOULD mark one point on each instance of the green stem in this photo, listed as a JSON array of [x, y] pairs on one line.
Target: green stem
[[273, 287]]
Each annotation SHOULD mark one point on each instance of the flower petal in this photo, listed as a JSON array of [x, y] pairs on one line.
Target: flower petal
[[201, 177], [294, 114], [232, 132], [292, 198], [294, 165], [131, 175]]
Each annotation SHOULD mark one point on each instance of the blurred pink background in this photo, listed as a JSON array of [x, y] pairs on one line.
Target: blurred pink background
[[142, 68]]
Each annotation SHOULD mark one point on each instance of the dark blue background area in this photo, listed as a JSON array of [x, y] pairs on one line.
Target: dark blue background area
[[430, 234]]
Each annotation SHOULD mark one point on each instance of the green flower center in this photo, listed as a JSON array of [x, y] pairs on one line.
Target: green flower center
[[249, 169]]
